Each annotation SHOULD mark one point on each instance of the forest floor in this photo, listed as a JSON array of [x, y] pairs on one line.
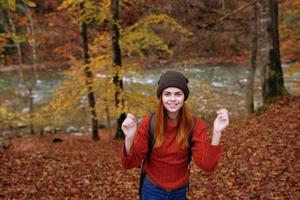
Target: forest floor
[[260, 161]]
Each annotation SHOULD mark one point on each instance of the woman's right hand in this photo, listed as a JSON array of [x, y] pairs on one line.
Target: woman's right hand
[[129, 126]]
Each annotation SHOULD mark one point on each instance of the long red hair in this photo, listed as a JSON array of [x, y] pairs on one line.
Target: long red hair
[[184, 125]]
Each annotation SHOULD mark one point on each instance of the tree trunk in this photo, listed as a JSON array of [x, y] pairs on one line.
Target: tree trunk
[[89, 83], [273, 83], [32, 41], [31, 109], [107, 114], [117, 59], [18, 46], [253, 55]]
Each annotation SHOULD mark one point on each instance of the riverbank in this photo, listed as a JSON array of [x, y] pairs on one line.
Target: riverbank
[[260, 161]]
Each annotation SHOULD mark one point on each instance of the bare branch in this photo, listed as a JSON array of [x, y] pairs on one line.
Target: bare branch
[[226, 16]]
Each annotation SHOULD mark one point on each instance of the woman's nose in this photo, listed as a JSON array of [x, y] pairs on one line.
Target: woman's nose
[[172, 97]]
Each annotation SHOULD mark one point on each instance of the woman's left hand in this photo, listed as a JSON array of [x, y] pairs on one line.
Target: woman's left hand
[[221, 121]]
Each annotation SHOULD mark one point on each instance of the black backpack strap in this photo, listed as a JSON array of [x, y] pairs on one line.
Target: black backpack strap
[[150, 137], [150, 148], [142, 178], [191, 143]]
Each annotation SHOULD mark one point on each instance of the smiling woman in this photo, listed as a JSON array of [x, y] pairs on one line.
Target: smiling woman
[[173, 99], [178, 136]]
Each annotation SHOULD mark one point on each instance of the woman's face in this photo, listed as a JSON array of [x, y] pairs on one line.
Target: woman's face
[[173, 99]]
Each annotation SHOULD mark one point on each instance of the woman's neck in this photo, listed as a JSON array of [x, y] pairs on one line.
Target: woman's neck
[[173, 116]]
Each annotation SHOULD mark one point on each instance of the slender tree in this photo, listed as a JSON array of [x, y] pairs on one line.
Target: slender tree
[[117, 60], [7, 7], [273, 82], [89, 81], [32, 39], [17, 42], [253, 56], [30, 85], [82, 13]]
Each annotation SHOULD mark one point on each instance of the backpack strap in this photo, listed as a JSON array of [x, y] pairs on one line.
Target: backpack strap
[[150, 137], [191, 143], [150, 148]]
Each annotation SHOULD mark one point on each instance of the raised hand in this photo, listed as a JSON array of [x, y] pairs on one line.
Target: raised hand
[[220, 123], [129, 126]]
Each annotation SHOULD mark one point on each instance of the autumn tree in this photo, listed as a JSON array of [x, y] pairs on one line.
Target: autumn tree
[[83, 17], [135, 40], [8, 9], [252, 60], [273, 83], [89, 80], [117, 60], [32, 38]]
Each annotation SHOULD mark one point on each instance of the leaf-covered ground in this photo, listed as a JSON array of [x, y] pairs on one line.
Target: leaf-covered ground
[[260, 161]]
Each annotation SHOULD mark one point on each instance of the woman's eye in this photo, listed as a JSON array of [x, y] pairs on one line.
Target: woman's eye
[[178, 94]]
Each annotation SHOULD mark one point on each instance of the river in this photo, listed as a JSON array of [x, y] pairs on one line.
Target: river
[[212, 87]]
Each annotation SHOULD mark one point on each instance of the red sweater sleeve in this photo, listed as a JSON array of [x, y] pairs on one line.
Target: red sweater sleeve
[[139, 146], [205, 155]]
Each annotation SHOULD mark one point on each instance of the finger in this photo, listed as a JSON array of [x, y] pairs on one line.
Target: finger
[[223, 117], [125, 124], [131, 116], [222, 111], [131, 121]]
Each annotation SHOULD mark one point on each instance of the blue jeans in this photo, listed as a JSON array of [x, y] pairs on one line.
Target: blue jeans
[[151, 191]]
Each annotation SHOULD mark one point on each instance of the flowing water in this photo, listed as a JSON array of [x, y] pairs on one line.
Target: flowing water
[[212, 87]]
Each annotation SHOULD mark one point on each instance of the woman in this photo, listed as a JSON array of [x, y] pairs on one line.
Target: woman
[[167, 171]]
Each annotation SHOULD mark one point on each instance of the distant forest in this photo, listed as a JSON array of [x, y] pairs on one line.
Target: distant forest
[[57, 37]]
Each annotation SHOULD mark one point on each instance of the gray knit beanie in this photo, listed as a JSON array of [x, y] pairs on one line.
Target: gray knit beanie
[[173, 79]]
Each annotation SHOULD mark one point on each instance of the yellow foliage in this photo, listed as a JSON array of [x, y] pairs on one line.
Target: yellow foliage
[[162, 19], [140, 37], [9, 117], [87, 10], [134, 40], [140, 104], [3, 40]]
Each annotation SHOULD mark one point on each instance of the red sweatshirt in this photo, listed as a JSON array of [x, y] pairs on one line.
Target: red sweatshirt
[[168, 166]]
